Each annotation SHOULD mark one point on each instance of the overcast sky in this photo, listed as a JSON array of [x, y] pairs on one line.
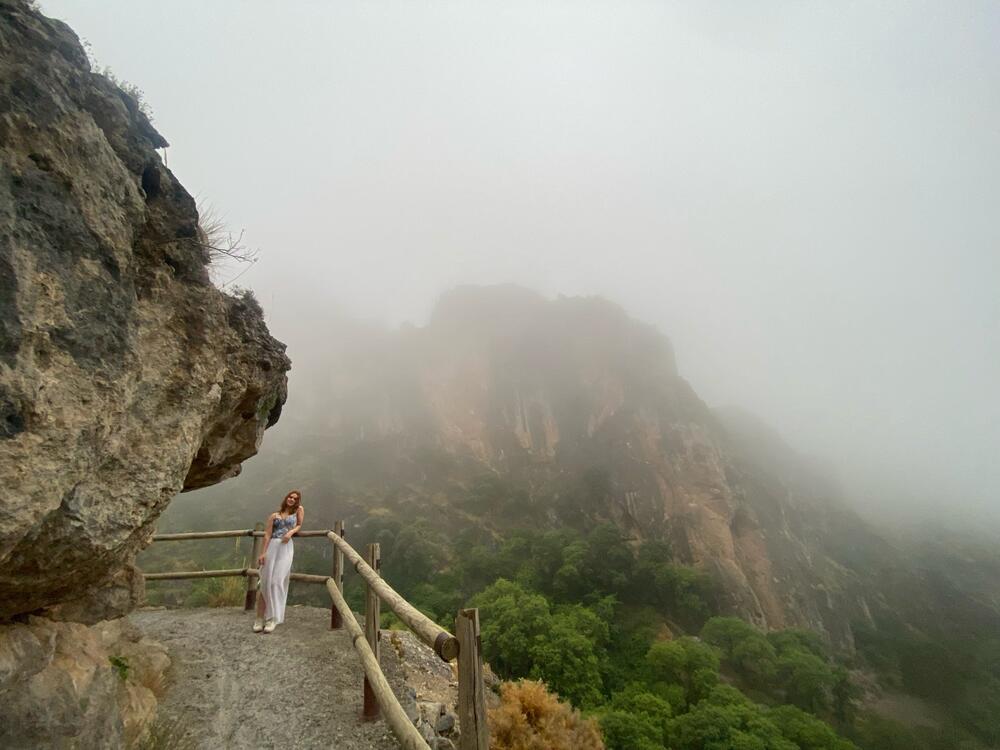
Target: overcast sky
[[804, 196]]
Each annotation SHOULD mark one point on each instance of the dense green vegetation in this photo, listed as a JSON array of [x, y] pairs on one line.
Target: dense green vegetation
[[632, 638]]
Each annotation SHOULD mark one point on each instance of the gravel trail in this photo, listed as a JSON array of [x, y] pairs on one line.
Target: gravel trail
[[299, 687]]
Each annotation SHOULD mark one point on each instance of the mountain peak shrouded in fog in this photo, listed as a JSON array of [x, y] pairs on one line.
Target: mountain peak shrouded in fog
[[577, 409], [554, 331], [522, 255], [800, 196]]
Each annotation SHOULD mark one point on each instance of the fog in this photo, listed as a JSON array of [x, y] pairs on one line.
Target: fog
[[802, 196]]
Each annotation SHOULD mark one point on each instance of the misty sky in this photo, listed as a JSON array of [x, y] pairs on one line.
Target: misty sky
[[804, 196]]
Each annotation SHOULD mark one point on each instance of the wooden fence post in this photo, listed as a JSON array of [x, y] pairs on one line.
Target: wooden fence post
[[338, 575], [471, 691], [372, 601], [258, 543]]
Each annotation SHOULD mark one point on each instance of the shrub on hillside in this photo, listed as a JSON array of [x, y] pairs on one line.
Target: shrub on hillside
[[529, 717]]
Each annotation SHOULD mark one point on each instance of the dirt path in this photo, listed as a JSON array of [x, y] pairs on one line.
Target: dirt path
[[299, 687]]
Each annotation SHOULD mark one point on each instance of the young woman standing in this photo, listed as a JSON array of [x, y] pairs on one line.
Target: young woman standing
[[275, 562]]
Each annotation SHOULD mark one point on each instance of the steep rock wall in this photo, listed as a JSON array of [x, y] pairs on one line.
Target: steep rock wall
[[125, 375], [540, 392]]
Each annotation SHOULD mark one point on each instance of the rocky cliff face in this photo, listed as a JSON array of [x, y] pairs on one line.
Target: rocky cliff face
[[59, 687], [125, 376], [543, 393]]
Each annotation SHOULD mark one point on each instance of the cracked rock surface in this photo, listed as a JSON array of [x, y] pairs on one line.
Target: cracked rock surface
[[125, 375]]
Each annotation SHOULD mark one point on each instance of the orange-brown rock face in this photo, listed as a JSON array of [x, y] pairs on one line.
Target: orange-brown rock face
[[540, 392]]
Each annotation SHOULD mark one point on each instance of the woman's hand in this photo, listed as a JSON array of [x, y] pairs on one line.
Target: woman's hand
[[286, 538], [260, 560]]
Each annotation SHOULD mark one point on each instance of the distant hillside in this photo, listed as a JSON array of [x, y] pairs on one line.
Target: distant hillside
[[568, 412]]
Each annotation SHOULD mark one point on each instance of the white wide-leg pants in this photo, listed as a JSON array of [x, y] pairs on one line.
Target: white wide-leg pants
[[274, 578]]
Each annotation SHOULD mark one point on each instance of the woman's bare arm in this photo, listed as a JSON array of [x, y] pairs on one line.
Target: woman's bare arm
[[267, 538], [299, 516]]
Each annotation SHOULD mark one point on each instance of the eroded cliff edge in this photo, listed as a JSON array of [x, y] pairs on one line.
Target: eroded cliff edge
[[125, 375]]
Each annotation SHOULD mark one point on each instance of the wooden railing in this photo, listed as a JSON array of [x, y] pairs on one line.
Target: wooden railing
[[464, 645]]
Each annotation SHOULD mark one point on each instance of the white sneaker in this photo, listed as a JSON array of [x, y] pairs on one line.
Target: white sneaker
[[270, 625], [258, 625]]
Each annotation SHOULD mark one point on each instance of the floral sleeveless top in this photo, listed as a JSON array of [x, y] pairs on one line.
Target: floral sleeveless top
[[282, 526]]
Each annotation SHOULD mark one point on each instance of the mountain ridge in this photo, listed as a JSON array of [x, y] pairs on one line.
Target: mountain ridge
[[544, 393]]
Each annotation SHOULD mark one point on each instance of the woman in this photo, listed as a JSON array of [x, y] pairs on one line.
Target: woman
[[275, 562]]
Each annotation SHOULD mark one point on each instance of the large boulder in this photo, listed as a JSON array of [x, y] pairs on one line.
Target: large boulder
[[125, 375], [68, 685]]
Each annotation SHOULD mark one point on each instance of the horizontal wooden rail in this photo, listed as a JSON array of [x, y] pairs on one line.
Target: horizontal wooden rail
[[444, 643], [183, 536], [407, 734], [180, 575], [202, 535], [250, 572], [308, 578]]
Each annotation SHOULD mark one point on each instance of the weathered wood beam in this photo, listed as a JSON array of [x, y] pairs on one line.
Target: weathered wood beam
[[444, 643], [372, 625], [471, 691], [203, 535], [407, 735], [308, 578], [185, 535], [338, 575], [180, 575], [258, 546]]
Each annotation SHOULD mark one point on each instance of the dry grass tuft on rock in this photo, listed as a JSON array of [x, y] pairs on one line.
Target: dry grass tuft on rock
[[529, 717], [220, 245]]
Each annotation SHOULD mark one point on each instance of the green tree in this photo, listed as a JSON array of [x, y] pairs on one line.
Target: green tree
[[683, 592], [726, 721], [439, 602], [807, 679], [514, 623], [726, 633], [627, 731], [806, 731], [744, 649], [684, 662], [523, 637], [636, 701], [411, 558], [632, 632], [568, 658], [845, 696], [597, 565], [797, 639]]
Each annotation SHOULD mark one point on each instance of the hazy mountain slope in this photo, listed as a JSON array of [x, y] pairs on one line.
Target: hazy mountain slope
[[553, 396]]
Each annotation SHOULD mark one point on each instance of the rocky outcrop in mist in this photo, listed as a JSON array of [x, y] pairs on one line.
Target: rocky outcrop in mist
[[543, 393], [125, 375]]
